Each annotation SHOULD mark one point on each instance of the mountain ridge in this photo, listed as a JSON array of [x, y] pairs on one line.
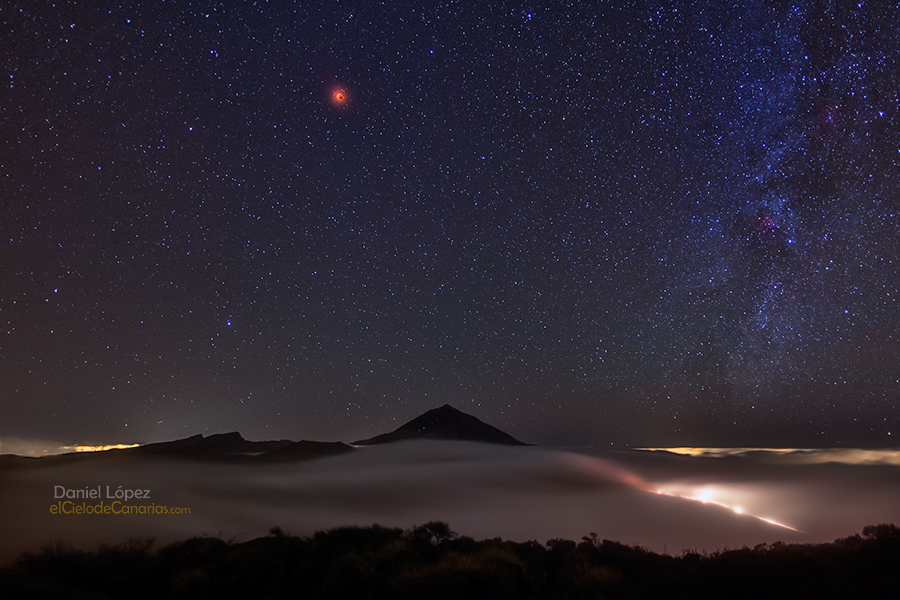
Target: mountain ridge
[[220, 443], [445, 423]]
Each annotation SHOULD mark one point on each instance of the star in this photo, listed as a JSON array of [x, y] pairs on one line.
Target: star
[[339, 97]]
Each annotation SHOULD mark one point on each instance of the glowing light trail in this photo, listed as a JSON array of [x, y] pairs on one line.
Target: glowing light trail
[[705, 499], [702, 493]]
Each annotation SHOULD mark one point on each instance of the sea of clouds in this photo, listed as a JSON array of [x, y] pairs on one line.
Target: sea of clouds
[[665, 501]]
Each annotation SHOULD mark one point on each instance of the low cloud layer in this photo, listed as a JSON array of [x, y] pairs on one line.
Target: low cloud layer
[[661, 501]]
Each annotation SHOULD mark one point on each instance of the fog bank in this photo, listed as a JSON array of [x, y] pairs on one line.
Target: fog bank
[[661, 501]]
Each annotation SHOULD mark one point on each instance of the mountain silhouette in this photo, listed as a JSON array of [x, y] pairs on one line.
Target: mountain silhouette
[[445, 423], [213, 445], [221, 447]]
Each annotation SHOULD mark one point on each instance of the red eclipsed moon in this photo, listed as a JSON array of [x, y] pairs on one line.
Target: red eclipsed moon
[[339, 97]]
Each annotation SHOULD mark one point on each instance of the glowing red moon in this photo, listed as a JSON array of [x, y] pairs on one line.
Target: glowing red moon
[[339, 96]]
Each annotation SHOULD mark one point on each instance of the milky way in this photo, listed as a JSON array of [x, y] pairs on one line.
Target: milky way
[[639, 224]]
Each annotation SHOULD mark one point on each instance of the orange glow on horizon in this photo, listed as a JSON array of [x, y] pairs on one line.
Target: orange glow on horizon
[[852, 456], [104, 448]]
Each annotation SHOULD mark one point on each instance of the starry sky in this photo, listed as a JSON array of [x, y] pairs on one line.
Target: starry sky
[[607, 223]]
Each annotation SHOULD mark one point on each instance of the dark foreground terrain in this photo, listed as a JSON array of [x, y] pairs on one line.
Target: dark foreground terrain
[[430, 561]]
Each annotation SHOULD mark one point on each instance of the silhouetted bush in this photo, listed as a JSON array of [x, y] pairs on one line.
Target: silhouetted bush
[[430, 561]]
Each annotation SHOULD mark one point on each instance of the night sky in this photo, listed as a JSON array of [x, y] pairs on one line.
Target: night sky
[[584, 223]]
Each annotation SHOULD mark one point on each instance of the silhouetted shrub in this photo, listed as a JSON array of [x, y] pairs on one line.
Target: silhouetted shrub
[[885, 531], [378, 562], [433, 533]]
